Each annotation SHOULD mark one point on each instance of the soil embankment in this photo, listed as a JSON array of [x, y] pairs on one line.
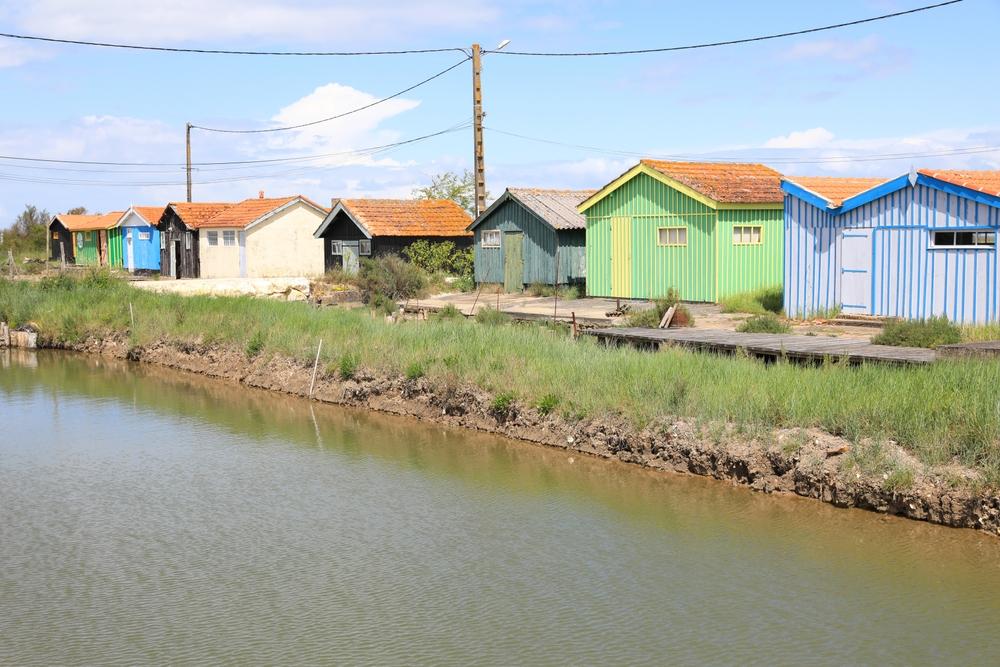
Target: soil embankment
[[804, 462]]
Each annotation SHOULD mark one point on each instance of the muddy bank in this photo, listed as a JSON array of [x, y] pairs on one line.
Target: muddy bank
[[805, 462]]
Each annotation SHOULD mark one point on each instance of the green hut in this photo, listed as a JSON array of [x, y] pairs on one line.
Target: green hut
[[707, 230], [531, 236], [96, 241]]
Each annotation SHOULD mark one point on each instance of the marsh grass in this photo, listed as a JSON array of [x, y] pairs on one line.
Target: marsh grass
[[938, 412], [757, 302]]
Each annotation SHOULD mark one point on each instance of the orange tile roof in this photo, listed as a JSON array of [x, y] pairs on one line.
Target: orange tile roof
[[987, 182], [836, 189], [195, 214], [409, 217], [245, 212], [725, 182], [87, 223], [150, 214]]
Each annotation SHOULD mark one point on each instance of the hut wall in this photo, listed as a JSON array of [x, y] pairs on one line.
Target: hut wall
[[749, 267]]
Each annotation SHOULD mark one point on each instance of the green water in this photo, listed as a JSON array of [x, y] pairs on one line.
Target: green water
[[148, 516]]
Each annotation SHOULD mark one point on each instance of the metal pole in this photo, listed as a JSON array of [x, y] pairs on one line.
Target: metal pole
[[479, 168], [188, 142]]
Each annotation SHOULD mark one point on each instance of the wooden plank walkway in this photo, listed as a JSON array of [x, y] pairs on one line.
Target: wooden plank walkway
[[794, 346]]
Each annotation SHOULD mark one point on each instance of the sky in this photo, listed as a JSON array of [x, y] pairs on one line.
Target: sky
[[830, 103]]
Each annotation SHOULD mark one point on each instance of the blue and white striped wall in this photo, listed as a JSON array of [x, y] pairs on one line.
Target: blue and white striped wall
[[906, 277]]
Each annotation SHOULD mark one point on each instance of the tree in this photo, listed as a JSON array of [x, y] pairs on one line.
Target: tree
[[27, 234], [461, 189], [78, 210]]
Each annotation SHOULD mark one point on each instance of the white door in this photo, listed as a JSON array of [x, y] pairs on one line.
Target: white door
[[350, 253], [128, 250], [856, 271]]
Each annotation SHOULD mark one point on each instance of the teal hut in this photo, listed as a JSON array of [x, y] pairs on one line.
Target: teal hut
[[531, 236]]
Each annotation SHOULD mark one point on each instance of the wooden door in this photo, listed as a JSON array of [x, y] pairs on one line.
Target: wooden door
[[102, 247], [621, 257], [855, 271], [129, 251], [513, 261], [175, 259], [349, 250]]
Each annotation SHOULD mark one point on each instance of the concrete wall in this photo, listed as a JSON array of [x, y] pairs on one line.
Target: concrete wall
[[220, 261], [284, 245]]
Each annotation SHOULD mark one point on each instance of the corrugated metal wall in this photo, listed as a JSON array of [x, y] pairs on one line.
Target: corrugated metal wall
[[655, 269], [539, 248], [745, 268], [908, 278]]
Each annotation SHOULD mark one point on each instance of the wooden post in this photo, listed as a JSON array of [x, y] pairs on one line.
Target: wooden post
[[478, 291], [498, 300], [62, 254], [131, 315], [573, 315], [10, 263], [667, 317], [479, 169], [312, 384], [555, 290], [187, 140]]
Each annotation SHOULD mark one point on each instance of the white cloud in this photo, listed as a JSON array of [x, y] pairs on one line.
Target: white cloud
[[15, 54], [843, 50], [157, 22], [817, 136], [849, 60]]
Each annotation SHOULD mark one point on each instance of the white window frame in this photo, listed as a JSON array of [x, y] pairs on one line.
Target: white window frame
[[490, 234], [143, 236], [365, 247], [336, 247], [188, 236], [677, 243], [229, 237], [212, 237], [746, 234], [982, 238]]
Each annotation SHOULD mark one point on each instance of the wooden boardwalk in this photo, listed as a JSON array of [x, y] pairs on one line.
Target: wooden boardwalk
[[794, 346]]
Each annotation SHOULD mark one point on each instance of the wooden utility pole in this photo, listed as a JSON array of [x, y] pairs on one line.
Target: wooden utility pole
[[477, 131], [188, 142]]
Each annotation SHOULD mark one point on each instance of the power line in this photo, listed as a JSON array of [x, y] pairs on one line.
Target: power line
[[224, 52], [832, 159], [746, 40], [340, 115]]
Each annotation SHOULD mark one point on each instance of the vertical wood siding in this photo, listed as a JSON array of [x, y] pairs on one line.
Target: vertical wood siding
[[909, 279], [87, 255], [744, 268], [655, 268], [115, 247], [145, 254], [540, 244]]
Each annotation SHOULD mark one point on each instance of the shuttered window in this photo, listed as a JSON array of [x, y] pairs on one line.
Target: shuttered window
[[748, 235], [672, 236], [163, 241]]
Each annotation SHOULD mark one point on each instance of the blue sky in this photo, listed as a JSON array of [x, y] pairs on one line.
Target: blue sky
[[917, 84]]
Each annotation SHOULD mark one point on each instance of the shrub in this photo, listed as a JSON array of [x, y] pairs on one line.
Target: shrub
[[650, 318], [491, 316], [502, 405], [61, 281], [539, 289], [547, 403], [930, 333], [339, 276], [348, 366], [465, 283], [758, 302], [99, 278], [255, 344], [383, 304], [766, 323], [449, 312], [415, 371], [441, 257], [391, 276]]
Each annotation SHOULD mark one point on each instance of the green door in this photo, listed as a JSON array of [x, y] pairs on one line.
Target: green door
[[513, 261]]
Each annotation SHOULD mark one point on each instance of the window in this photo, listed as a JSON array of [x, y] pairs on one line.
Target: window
[[336, 247], [55, 236], [144, 236], [962, 239], [491, 238], [747, 235], [672, 236], [365, 247], [163, 241], [187, 240], [213, 238], [79, 240], [229, 237]]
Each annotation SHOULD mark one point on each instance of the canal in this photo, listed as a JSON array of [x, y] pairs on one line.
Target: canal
[[151, 516]]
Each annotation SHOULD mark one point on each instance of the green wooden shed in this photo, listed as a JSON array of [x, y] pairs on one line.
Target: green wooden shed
[[95, 238], [706, 229], [530, 235]]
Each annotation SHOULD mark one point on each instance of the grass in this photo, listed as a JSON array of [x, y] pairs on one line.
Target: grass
[[930, 333], [939, 412], [766, 323], [758, 302], [650, 317], [564, 292]]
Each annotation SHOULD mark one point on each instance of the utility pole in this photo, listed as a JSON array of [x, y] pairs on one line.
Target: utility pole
[[188, 142], [479, 168]]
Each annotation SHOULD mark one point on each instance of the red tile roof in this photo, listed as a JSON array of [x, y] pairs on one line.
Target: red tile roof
[[987, 182], [86, 223], [725, 182], [408, 217], [836, 189], [195, 214], [150, 214]]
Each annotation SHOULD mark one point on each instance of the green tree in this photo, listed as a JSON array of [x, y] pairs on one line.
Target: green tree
[[460, 188], [27, 234]]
